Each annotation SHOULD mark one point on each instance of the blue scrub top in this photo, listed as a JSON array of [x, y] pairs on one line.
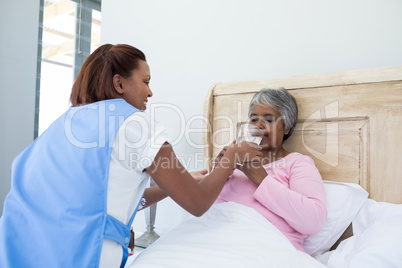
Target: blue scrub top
[[55, 213]]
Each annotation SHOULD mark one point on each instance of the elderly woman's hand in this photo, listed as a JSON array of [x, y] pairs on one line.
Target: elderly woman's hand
[[254, 171]]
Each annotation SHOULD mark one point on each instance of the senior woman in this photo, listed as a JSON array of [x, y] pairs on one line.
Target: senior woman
[[286, 187], [76, 188]]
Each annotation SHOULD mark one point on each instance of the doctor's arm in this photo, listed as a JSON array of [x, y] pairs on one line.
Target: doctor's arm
[[155, 194], [196, 197]]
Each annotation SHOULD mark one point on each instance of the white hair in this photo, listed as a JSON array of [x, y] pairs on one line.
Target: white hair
[[280, 100]]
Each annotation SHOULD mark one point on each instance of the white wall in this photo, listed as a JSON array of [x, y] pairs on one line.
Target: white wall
[[19, 22], [192, 44]]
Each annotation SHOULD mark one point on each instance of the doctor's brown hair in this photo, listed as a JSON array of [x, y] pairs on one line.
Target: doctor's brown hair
[[95, 79]]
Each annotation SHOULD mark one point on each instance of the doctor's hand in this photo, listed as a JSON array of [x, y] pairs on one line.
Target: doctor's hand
[[221, 153], [254, 171]]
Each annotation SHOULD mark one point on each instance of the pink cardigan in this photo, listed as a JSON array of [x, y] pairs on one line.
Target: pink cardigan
[[291, 197]]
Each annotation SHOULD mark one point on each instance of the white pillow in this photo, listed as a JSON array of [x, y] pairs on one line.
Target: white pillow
[[343, 202]]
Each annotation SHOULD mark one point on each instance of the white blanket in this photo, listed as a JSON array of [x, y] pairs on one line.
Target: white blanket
[[377, 239], [228, 235]]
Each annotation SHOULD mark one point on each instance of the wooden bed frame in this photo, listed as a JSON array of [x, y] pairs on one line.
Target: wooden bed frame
[[350, 123]]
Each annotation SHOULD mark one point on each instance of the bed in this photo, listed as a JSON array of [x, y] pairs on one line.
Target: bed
[[350, 124]]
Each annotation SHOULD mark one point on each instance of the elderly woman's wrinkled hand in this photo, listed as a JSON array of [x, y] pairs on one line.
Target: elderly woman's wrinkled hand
[[254, 170]]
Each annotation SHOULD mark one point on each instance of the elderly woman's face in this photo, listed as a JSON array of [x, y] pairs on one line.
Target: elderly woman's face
[[271, 123]]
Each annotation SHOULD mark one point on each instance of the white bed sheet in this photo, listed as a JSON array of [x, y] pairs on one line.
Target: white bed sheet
[[228, 235]]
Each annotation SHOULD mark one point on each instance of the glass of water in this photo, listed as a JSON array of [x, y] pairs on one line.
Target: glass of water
[[249, 133]]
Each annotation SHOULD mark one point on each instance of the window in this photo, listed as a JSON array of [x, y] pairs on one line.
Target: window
[[70, 32]]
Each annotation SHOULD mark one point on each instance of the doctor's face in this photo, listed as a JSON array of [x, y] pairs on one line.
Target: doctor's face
[[270, 122], [136, 90]]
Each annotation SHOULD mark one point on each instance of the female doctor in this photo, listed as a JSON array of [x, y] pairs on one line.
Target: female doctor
[[76, 188]]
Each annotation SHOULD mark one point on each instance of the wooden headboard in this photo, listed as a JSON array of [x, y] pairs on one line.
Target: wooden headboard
[[350, 123]]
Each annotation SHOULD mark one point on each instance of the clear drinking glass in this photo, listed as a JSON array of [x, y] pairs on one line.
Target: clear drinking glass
[[250, 133]]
